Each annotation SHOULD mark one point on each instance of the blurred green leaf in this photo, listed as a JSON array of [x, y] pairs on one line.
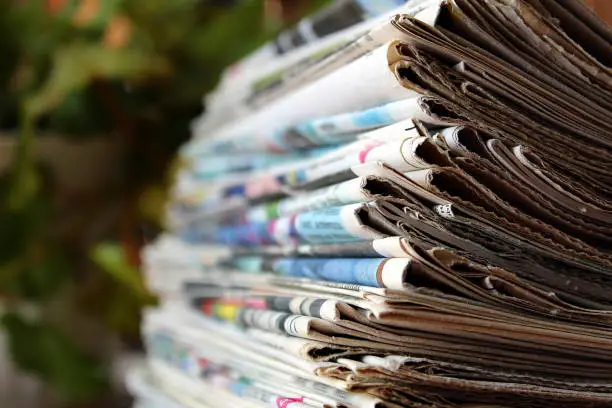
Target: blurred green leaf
[[76, 65], [43, 279], [122, 314], [152, 203], [111, 258], [20, 228], [25, 179], [49, 354]]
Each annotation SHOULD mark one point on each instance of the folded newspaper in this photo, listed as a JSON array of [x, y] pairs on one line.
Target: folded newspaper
[[421, 217]]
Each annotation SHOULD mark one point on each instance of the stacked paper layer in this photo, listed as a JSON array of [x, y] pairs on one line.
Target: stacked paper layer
[[422, 218]]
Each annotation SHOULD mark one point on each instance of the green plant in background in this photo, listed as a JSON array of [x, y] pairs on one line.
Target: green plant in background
[[133, 71]]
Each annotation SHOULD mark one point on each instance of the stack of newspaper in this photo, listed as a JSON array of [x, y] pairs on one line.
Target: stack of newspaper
[[410, 208]]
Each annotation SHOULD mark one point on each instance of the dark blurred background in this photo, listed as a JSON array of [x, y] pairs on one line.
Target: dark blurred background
[[95, 98]]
